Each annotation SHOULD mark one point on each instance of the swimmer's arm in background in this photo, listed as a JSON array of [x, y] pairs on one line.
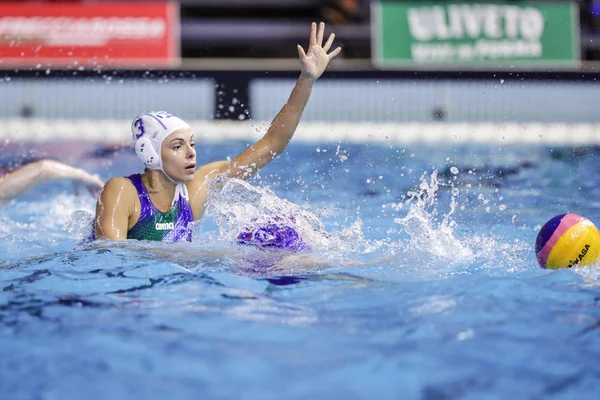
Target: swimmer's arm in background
[[280, 132], [17, 182], [113, 209]]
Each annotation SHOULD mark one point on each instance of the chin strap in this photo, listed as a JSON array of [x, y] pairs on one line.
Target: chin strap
[[180, 188], [180, 191]]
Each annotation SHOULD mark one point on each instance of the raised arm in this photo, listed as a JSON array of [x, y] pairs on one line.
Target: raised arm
[[16, 182], [279, 134]]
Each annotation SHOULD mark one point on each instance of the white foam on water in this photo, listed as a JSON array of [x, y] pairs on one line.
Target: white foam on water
[[590, 273], [32, 227]]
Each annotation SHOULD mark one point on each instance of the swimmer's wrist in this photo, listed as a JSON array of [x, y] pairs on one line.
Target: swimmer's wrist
[[304, 77]]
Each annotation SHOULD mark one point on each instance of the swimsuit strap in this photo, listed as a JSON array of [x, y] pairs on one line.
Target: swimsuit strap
[[143, 195]]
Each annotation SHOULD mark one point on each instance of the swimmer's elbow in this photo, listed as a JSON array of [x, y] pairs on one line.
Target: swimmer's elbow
[[47, 169], [109, 237], [112, 233]]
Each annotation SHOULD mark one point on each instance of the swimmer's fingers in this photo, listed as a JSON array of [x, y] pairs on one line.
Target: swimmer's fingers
[[95, 185], [95, 180], [329, 42], [334, 53], [313, 34], [320, 33], [328, 46]]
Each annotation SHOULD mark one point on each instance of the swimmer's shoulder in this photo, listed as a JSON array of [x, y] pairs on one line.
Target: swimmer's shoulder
[[119, 190], [208, 172], [116, 210]]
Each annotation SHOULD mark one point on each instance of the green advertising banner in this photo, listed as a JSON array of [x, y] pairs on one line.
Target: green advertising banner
[[475, 34]]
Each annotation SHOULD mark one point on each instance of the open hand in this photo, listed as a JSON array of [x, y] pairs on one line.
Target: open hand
[[315, 60]]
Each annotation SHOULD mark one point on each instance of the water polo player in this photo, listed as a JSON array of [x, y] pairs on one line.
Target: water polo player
[[160, 203]]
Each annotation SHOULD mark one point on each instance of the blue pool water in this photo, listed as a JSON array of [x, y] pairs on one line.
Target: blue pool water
[[420, 282]]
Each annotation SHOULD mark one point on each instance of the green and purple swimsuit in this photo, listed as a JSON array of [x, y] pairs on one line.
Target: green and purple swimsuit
[[171, 226]]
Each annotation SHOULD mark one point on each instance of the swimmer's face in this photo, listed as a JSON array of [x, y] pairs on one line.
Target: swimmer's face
[[179, 155]]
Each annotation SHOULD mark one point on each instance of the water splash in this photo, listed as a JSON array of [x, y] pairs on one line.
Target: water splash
[[591, 274], [237, 207], [433, 233], [80, 224], [421, 222]]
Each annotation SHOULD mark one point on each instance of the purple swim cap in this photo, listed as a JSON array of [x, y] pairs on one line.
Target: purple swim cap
[[273, 236]]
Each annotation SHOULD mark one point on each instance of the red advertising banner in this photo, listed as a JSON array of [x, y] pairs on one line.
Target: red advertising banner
[[89, 34]]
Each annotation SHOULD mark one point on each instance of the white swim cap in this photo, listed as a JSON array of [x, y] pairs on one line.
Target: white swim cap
[[149, 130]]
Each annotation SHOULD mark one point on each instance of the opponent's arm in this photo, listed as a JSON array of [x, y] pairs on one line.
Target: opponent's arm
[[113, 210], [16, 182], [281, 130]]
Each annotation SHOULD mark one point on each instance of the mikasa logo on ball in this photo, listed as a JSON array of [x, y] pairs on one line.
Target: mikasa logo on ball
[[164, 226], [580, 257]]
